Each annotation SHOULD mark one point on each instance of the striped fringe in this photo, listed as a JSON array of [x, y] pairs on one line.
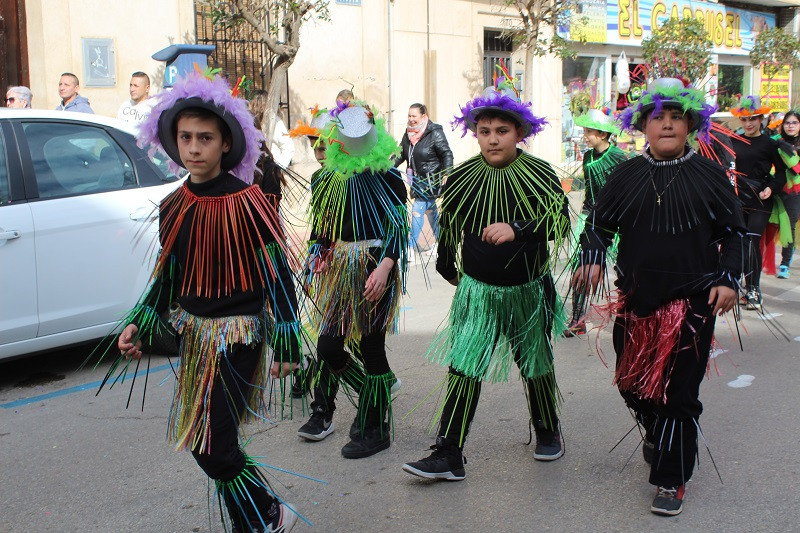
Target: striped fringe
[[204, 345], [343, 310]]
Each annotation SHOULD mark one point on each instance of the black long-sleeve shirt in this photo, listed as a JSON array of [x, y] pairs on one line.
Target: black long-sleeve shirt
[[526, 194], [366, 206], [244, 252], [755, 161], [670, 250]]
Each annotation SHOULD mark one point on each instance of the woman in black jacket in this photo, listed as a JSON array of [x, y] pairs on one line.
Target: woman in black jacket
[[427, 156]]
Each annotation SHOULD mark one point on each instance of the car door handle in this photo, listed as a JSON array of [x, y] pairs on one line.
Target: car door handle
[[145, 213], [10, 234]]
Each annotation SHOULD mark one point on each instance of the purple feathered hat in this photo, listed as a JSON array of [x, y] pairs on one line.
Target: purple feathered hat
[[504, 99], [212, 94]]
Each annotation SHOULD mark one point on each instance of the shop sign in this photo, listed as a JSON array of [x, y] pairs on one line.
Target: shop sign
[[775, 92], [626, 22]]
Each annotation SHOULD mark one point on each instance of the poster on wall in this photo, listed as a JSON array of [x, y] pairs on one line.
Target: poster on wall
[[775, 92], [732, 31]]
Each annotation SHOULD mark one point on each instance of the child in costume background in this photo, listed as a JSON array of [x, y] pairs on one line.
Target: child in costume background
[[359, 234], [789, 197], [222, 268], [757, 186], [598, 162], [680, 258], [499, 210]]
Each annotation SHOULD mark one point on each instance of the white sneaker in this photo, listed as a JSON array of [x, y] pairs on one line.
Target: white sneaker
[[411, 257], [395, 387]]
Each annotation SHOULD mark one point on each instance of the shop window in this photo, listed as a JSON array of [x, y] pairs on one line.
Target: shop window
[[581, 73], [734, 81], [496, 51]]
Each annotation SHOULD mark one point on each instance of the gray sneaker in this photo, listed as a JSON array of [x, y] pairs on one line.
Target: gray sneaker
[[548, 445]]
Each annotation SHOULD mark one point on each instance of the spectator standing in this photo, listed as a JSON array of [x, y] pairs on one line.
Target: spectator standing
[[68, 87], [427, 155], [282, 147], [137, 109], [19, 97]]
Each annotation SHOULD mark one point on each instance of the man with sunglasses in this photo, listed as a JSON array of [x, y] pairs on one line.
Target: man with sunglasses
[[19, 97]]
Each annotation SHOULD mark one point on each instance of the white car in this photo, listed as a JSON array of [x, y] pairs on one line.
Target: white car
[[77, 226]]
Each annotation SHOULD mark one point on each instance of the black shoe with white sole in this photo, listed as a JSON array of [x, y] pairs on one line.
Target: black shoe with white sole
[[319, 426], [548, 445], [668, 501], [445, 463]]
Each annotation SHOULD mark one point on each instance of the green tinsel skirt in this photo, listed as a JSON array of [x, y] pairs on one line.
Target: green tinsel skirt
[[491, 326]]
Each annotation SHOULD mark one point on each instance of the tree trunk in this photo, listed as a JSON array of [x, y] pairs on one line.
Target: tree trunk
[[276, 84]]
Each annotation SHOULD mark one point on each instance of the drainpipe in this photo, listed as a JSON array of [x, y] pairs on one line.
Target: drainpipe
[[389, 31]]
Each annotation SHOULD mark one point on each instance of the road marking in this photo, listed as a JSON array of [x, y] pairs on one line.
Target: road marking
[[71, 390], [745, 380], [770, 316]]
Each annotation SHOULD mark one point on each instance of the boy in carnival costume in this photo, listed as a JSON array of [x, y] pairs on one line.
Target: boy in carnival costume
[[356, 262], [222, 271], [680, 258], [598, 162], [500, 209]]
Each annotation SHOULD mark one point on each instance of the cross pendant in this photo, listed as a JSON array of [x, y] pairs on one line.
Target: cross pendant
[[658, 199]]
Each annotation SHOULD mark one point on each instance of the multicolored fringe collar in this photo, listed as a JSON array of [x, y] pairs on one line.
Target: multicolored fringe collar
[[750, 106], [214, 94], [670, 92]]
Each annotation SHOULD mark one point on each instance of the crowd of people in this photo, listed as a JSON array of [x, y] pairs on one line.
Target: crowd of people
[[682, 233]]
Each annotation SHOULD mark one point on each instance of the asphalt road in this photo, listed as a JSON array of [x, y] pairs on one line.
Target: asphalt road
[[73, 461]]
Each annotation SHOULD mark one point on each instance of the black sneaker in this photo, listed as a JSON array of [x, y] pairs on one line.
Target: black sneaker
[[753, 300], [373, 441], [283, 522], [446, 463], [576, 327], [648, 451], [301, 381], [548, 445], [319, 426], [668, 501]]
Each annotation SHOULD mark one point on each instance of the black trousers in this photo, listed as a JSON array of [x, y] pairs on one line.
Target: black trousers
[[225, 459], [464, 392], [755, 218], [337, 364], [671, 426], [792, 204]]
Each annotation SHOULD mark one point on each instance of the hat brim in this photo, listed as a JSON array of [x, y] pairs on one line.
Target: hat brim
[[743, 112], [472, 119], [169, 141], [694, 116], [585, 122]]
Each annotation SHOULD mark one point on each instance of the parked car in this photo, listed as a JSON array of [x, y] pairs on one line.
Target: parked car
[[78, 226]]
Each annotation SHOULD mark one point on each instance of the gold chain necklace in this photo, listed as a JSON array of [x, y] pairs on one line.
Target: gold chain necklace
[[653, 182]]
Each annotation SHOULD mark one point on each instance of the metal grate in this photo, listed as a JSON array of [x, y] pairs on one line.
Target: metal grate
[[239, 52]]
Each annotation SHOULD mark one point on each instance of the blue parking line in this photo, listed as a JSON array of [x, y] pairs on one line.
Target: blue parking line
[[70, 390]]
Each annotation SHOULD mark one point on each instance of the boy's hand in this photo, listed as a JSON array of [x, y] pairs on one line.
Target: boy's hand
[[376, 282], [497, 233], [281, 370], [766, 193], [126, 345], [587, 278], [722, 298]]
